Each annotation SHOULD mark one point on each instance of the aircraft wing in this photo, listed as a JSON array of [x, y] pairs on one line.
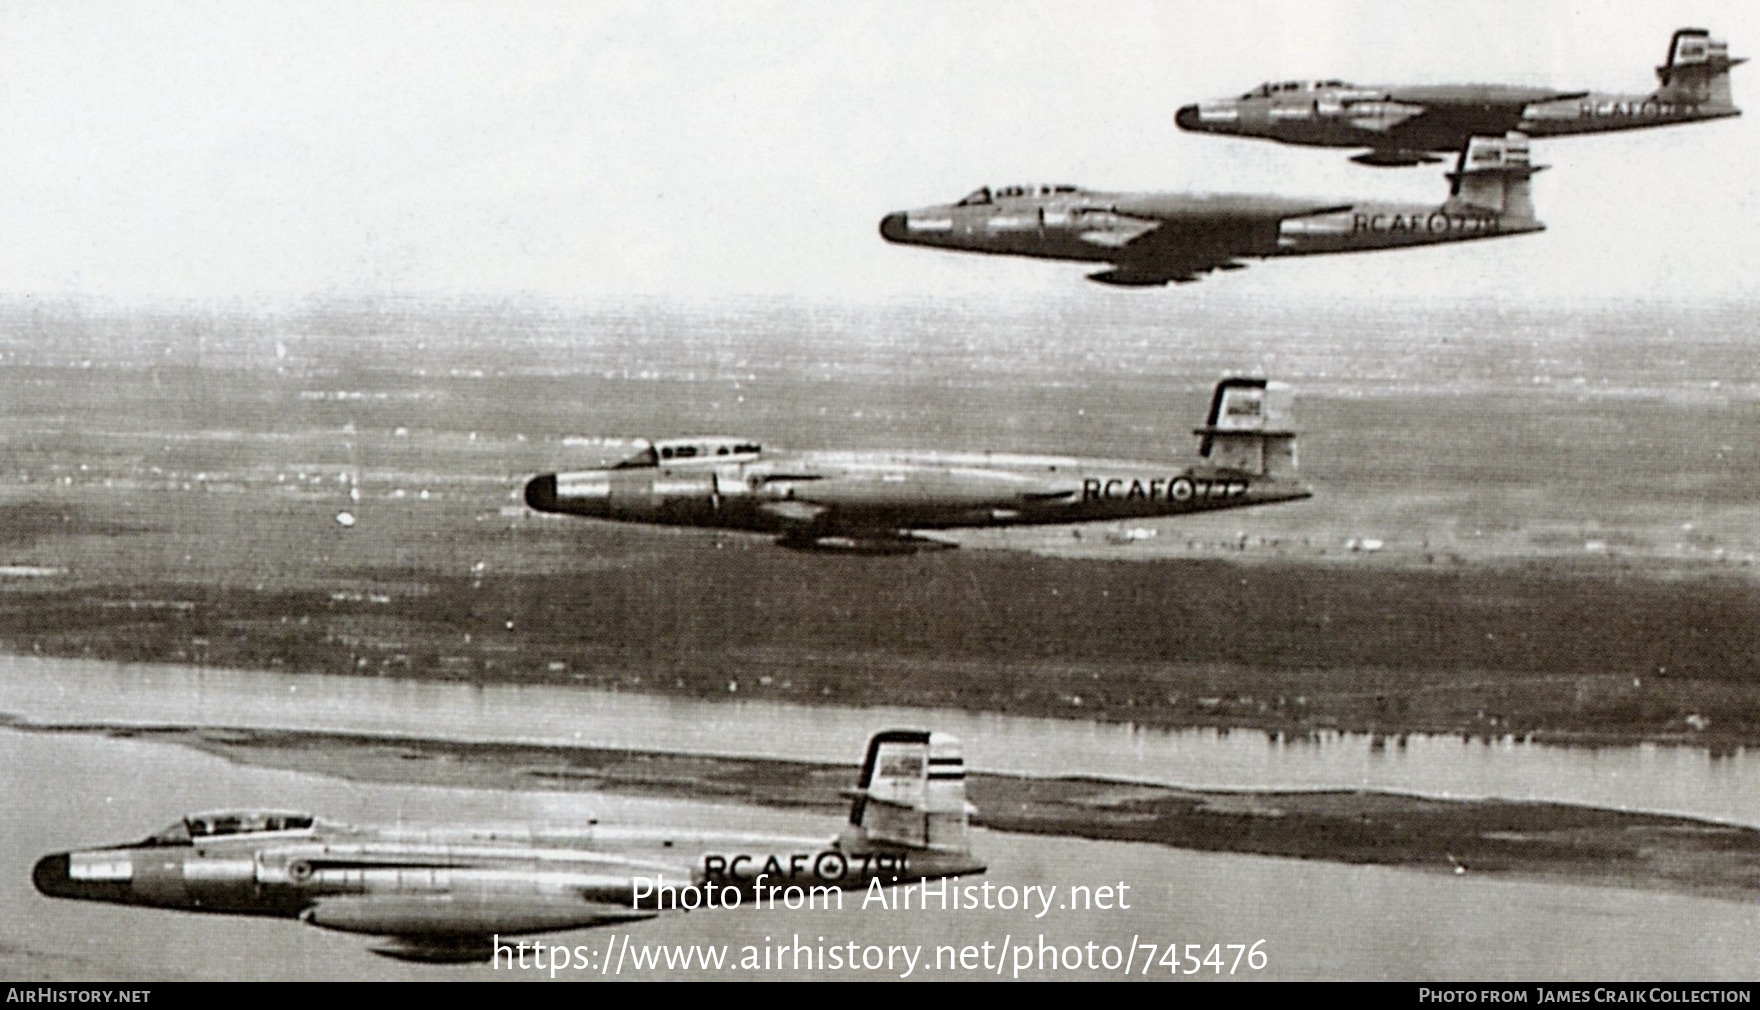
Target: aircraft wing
[[1437, 117], [878, 505], [1165, 270], [1443, 96], [1150, 254], [1190, 237]]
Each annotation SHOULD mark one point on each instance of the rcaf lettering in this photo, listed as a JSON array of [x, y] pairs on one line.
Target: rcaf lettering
[[1176, 489], [743, 868], [1436, 223], [1642, 110]]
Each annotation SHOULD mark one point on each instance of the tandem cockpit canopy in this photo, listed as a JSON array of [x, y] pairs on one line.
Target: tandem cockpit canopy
[[979, 197], [1268, 89], [224, 823], [635, 453], [711, 448]]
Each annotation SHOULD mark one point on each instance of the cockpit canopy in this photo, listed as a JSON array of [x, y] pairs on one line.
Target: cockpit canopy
[[1269, 89], [986, 195], [224, 823], [716, 448], [630, 453]]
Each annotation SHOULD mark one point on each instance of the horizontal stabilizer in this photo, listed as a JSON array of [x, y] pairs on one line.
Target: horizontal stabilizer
[[1694, 47]]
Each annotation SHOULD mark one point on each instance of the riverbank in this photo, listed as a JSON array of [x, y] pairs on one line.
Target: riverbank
[[1560, 843], [1588, 653]]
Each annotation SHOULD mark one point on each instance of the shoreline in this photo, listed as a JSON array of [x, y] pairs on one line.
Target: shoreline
[[1568, 658], [1555, 842]]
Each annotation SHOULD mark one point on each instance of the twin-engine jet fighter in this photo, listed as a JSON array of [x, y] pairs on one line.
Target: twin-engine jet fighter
[[1151, 239], [453, 894], [885, 501], [1406, 124]]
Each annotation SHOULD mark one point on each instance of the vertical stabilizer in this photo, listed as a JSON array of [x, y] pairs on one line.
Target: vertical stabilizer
[[912, 792], [1249, 427], [1491, 176], [1697, 71]]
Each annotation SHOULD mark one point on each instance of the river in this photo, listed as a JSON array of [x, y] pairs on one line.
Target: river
[[1664, 779]]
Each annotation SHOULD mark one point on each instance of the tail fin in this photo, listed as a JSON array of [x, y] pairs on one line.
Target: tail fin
[[913, 792], [1697, 71], [1492, 175], [1248, 428]]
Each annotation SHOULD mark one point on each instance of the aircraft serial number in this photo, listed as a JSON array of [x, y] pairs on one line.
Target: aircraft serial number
[[1437, 223], [1178, 489], [1641, 110], [743, 868]]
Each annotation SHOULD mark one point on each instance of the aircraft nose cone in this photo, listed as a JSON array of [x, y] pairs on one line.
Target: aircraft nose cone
[[50, 876], [1186, 118], [894, 227], [541, 493]]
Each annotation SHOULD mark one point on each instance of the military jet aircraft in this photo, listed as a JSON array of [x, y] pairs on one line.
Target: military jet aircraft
[[881, 502], [453, 894], [1405, 124], [1151, 239]]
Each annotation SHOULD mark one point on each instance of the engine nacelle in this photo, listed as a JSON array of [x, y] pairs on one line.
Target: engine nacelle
[[670, 498], [637, 495]]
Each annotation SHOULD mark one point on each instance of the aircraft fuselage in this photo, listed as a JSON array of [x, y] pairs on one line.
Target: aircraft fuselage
[[860, 492], [1099, 229], [1370, 118], [1606, 112], [451, 893], [1370, 225], [457, 883]]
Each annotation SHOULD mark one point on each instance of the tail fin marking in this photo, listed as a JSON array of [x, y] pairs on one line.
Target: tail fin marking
[[1492, 175], [912, 791], [1248, 427], [1697, 71]]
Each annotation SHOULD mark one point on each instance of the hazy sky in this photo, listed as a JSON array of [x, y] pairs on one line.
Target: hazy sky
[[592, 150]]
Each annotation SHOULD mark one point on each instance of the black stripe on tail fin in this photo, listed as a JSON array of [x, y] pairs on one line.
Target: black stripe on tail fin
[[1491, 175], [912, 791], [1247, 428], [1697, 69]]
